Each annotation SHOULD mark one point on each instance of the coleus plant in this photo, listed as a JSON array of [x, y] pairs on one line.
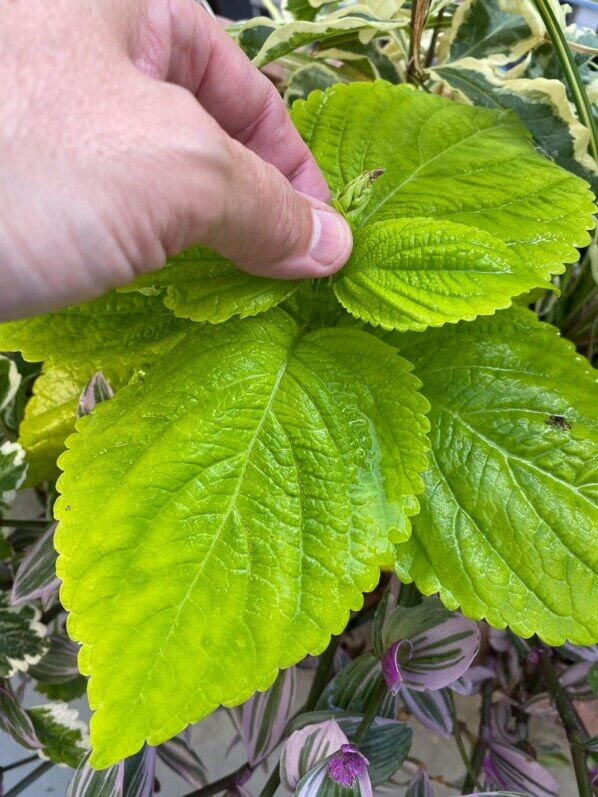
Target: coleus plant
[[271, 445]]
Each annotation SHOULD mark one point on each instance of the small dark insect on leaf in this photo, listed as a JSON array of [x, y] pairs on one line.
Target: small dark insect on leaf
[[558, 422]]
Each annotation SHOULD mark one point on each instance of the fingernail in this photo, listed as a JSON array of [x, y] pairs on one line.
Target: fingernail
[[331, 238]]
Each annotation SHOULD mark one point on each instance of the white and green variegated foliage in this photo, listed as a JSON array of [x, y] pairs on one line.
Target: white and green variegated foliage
[[222, 514]]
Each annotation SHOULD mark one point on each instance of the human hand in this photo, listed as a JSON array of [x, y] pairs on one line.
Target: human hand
[[131, 130]]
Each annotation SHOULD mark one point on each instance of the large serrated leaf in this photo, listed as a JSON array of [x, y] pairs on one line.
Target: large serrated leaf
[[123, 328], [116, 333], [509, 521], [449, 171], [200, 285], [251, 484]]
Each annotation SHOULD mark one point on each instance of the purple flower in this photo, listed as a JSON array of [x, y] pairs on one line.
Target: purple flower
[[347, 765], [307, 747]]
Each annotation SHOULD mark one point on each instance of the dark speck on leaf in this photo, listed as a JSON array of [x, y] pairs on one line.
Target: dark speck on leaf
[[558, 422]]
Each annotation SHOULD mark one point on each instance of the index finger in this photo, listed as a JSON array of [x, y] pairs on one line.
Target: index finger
[[204, 59]]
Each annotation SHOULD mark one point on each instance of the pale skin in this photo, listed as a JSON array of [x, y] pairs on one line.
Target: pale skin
[[131, 129]]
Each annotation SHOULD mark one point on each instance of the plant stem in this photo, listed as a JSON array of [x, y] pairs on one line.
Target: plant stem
[[434, 39], [14, 523], [419, 15], [481, 745], [219, 785], [29, 779], [370, 712], [20, 763], [571, 72], [576, 733], [459, 741]]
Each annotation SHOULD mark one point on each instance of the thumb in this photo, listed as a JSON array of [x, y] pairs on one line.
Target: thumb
[[268, 228]]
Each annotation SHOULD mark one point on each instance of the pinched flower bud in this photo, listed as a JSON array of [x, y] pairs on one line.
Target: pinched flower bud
[[307, 747], [95, 392], [348, 765], [357, 192]]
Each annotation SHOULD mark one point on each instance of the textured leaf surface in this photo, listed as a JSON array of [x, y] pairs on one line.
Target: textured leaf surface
[[509, 522], [115, 328], [247, 512], [22, 638], [118, 333], [452, 174], [200, 285]]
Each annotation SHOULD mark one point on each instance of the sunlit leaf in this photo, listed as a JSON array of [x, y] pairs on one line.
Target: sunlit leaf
[[234, 449]]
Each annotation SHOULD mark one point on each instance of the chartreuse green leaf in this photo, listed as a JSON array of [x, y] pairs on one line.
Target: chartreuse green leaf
[[51, 412], [116, 333], [116, 328], [200, 285], [509, 520], [465, 214], [250, 485]]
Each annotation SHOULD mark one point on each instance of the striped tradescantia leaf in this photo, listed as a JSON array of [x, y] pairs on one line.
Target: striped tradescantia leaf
[[261, 720], [351, 689], [420, 786], [59, 664], [182, 759], [98, 389], [307, 747], [432, 709], [138, 775], [36, 574], [13, 470], [88, 782], [434, 656], [509, 768], [15, 722]]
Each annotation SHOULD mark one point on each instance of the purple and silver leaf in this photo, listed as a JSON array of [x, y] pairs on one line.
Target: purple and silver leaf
[[88, 782], [59, 664], [36, 575], [578, 653], [178, 755], [311, 784], [139, 773], [434, 658], [432, 709], [307, 747], [261, 720], [16, 723], [95, 392], [575, 681], [471, 680], [420, 786], [507, 767]]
